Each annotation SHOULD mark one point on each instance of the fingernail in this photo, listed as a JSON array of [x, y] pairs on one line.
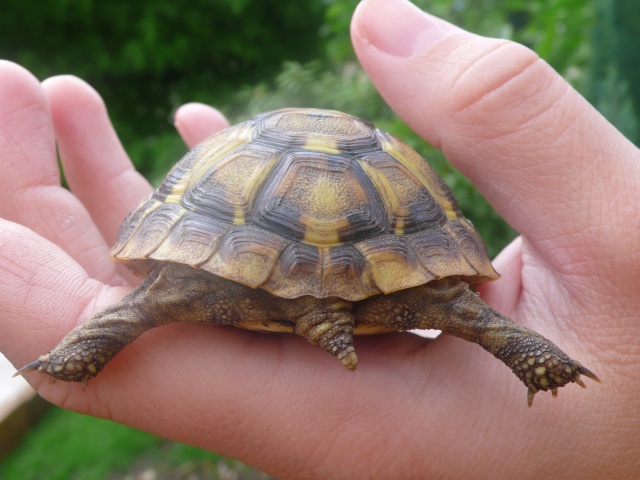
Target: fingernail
[[398, 27]]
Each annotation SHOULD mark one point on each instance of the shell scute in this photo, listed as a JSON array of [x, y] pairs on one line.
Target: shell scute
[[393, 264], [320, 130], [193, 240], [320, 199], [247, 255], [225, 191], [410, 205], [154, 226]]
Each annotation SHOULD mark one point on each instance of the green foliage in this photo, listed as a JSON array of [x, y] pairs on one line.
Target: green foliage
[[316, 84], [615, 67], [147, 57], [68, 446]]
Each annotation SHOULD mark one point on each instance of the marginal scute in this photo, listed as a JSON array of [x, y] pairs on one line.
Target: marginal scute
[[473, 248], [246, 255], [345, 274], [132, 222], [306, 202], [153, 228], [298, 260], [327, 272], [192, 240], [393, 263], [439, 253]]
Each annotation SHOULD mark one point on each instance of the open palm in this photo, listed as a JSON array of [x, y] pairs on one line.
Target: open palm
[[555, 169]]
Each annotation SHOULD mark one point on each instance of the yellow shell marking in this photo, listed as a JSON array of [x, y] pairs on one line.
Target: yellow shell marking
[[213, 150], [327, 205], [238, 215], [242, 175], [384, 187], [177, 192], [202, 167], [392, 149], [320, 144]]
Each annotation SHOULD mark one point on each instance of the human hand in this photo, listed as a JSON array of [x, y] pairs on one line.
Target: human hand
[[548, 162]]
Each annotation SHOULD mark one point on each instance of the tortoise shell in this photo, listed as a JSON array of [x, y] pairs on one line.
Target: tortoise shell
[[306, 202]]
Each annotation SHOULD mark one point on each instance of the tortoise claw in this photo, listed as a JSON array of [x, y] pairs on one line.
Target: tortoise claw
[[579, 382], [29, 367], [587, 373]]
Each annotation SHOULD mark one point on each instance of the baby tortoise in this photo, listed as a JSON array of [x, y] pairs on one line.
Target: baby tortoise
[[312, 222]]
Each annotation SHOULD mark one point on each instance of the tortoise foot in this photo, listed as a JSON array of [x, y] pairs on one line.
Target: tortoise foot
[[544, 371], [71, 362]]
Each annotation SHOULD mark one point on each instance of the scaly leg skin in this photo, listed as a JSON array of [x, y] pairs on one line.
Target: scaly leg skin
[[449, 305], [168, 294]]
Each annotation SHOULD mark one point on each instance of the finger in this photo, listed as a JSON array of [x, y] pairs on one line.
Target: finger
[[30, 191], [542, 156], [43, 294], [96, 166], [196, 121]]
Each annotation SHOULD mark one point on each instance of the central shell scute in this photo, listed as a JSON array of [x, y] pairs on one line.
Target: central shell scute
[[306, 202], [320, 199]]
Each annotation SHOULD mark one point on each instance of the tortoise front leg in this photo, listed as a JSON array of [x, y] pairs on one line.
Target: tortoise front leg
[[450, 305], [170, 293]]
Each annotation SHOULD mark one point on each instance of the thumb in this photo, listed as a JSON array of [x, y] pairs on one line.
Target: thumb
[[545, 159]]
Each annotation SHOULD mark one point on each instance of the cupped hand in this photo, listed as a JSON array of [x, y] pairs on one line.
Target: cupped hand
[[547, 161]]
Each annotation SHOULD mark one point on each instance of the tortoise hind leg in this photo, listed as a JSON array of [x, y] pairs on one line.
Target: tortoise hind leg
[[449, 305], [170, 293]]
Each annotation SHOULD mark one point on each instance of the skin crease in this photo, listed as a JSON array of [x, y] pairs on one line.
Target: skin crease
[[547, 161]]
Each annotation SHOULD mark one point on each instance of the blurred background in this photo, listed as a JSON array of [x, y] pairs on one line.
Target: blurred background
[[148, 57]]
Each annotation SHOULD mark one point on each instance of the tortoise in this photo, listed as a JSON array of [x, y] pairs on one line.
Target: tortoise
[[311, 222]]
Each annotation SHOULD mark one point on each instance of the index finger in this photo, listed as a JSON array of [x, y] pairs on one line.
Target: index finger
[[96, 167]]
